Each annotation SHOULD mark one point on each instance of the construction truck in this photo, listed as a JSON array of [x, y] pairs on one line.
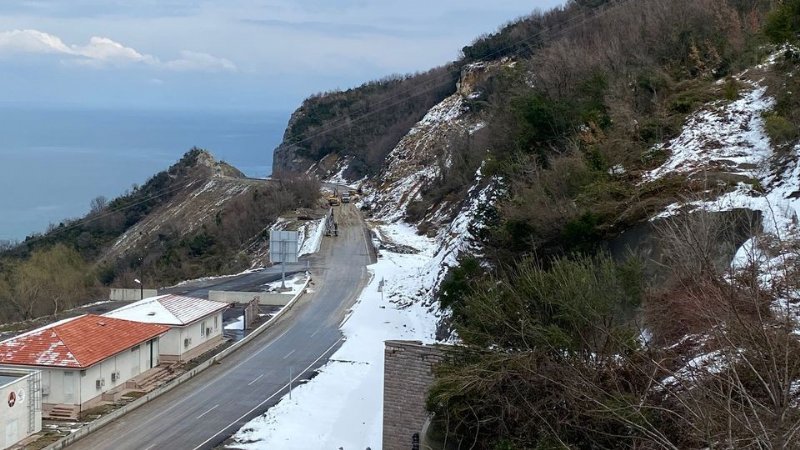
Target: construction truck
[[333, 200]]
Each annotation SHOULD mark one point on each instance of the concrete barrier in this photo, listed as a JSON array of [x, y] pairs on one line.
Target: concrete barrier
[[264, 298], [116, 414], [128, 295]]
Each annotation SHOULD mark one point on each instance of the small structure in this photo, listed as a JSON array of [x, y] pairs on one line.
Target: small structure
[[20, 405], [84, 359], [407, 375], [195, 324]]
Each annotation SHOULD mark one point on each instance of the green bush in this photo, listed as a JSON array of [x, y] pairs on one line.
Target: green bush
[[780, 130], [783, 23]]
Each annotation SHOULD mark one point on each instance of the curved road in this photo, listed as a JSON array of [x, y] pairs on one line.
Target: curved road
[[206, 410]]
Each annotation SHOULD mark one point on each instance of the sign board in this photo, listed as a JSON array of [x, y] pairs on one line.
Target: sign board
[[283, 246]]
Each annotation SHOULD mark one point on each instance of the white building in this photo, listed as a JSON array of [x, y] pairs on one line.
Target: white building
[[83, 358], [20, 405], [195, 323]]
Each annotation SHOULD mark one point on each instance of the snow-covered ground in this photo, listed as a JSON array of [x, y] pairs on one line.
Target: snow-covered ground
[[311, 236], [237, 325], [294, 284], [343, 405]]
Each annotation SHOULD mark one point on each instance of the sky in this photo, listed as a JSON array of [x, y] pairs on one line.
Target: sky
[[226, 54]]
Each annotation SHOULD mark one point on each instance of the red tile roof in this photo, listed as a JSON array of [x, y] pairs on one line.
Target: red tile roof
[[77, 343]]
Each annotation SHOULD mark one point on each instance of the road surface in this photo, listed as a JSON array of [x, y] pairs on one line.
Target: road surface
[[206, 410]]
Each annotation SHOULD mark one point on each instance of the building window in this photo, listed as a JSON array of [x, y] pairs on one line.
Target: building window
[[215, 322], [203, 328]]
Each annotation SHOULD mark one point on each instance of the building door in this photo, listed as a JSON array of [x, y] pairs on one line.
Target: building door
[[46, 377], [69, 388], [150, 345], [12, 435], [136, 361]]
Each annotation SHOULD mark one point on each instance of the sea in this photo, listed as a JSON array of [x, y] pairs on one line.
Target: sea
[[54, 161]]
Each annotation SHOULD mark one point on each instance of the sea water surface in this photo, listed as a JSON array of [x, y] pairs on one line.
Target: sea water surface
[[54, 161]]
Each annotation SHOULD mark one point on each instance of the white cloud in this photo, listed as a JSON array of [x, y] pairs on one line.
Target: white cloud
[[105, 52], [194, 61], [31, 41]]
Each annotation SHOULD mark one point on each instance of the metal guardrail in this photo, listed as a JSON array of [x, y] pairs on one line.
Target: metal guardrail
[[116, 414]]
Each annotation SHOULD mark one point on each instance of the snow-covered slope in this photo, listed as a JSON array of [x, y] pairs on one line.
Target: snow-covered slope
[[731, 139]]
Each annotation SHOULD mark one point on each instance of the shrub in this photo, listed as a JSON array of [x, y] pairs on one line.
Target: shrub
[[783, 23], [780, 130]]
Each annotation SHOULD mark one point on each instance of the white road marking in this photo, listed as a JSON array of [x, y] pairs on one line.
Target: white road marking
[[257, 378], [289, 354], [212, 408], [210, 383], [314, 333], [270, 397]]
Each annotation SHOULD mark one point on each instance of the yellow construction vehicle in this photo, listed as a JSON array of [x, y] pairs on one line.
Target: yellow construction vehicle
[[333, 200]]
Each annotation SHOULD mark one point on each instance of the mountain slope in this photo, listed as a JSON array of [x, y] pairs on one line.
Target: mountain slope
[[664, 133]]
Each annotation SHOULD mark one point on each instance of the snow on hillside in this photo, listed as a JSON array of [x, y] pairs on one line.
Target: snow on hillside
[[727, 138], [343, 405], [732, 139], [418, 158]]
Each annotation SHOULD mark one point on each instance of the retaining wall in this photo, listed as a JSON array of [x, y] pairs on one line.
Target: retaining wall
[[128, 295], [264, 298]]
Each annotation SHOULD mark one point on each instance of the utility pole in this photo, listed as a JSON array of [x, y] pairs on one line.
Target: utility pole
[[141, 278]]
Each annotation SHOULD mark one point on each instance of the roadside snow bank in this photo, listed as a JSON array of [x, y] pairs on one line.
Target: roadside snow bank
[[343, 405]]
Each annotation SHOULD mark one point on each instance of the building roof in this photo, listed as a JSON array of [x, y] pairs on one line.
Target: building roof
[[78, 342], [174, 310]]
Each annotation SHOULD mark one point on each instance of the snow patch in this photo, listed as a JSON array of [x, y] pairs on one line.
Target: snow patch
[[722, 137]]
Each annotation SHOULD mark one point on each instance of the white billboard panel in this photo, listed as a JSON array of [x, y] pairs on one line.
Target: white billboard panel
[[283, 246]]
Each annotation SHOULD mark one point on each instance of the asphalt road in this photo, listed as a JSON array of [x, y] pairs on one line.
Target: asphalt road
[[250, 282], [203, 412]]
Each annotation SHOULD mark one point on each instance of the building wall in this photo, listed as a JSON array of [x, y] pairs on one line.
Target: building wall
[[15, 420], [172, 342], [408, 374], [79, 387], [173, 348]]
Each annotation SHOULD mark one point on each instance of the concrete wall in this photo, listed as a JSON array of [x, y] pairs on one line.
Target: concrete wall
[[15, 420], [173, 346], [128, 295], [251, 312], [246, 297], [407, 376]]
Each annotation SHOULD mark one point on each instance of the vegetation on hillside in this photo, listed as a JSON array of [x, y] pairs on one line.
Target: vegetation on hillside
[[554, 354], [363, 124]]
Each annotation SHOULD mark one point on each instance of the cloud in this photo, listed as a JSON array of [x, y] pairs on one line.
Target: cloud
[[103, 52], [31, 41], [195, 61]]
